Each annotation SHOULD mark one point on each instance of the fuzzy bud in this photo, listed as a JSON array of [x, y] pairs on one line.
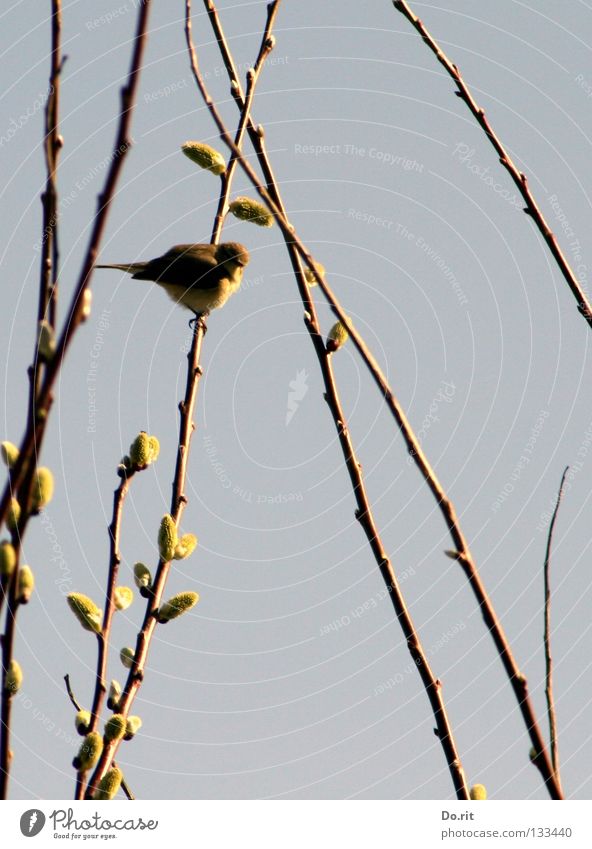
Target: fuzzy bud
[[176, 605], [89, 752], [46, 344], [126, 656], [133, 725], [109, 785], [114, 728], [248, 209], [82, 721], [205, 156], [42, 489], [337, 337], [142, 578], [122, 597], [86, 611], [14, 514], [310, 278], [10, 454], [167, 538], [478, 792], [185, 546], [13, 678], [114, 695], [26, 584], [7, 559], [144, 450]]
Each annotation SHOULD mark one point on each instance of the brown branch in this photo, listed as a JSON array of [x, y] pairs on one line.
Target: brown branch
[[364, 514], [267, 45], [463, 555], [80, 776], [105, 632], [79, 307], [187, 426], [520, 179], [547, 638], [7, 696], [178, 501]]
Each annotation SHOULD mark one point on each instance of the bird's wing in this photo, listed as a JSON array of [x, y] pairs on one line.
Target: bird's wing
[[184, 265]]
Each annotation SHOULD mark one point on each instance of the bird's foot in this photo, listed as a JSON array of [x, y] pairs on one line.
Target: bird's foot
[[200, 319]]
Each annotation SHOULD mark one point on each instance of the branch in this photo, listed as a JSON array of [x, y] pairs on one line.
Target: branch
[[462, 554], [103, 636], [267, 45], [364, 512], [520, 179], [79, 308], [547, 638], [187, 427], [178, 501]]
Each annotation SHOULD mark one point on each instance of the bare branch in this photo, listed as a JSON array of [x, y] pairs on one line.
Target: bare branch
[[517, 679], [520, 179], [547, 638]]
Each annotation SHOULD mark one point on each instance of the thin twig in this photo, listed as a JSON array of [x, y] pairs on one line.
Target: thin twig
[[520, 179], [79, 307], [267, 44], [364, 514], [79, 785], [178, 501], [547, 638], [463, 555], [187, 426], [105, 632]]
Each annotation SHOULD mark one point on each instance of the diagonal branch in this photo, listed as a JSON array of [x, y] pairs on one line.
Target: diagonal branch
[[462, 554], [547, 637], [186, 429], [364, 514], [520, 179], [80, 304]]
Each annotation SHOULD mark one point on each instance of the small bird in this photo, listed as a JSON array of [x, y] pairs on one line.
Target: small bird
[[199, 277]]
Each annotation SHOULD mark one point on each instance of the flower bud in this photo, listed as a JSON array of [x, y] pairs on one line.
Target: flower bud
[[205, 156], [114, 728], [185, 546], [82, 721], [86, 611], [142, 577], [144, 450], [126, 656], [310, 278], [46, 344], [13, 678], [248, 209], [89, 752], [42, 489], [114, 695], [176, 605], [478, 792], [133, 725], [7, 559], [109, 785], [14, 514], [167, 538], [122, 597], [10, 454], [26, 584], [337, 337]]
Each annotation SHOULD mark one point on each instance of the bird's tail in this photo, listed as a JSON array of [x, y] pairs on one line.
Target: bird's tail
[[130, 267]]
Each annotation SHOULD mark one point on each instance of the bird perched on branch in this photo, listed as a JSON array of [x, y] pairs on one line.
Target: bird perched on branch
[[199, 277]]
